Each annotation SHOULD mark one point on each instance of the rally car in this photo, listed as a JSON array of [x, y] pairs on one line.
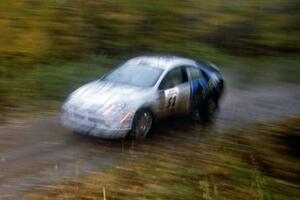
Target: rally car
[[143, 90]]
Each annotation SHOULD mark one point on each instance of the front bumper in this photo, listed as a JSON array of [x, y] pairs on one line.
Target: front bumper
[[89, 126]]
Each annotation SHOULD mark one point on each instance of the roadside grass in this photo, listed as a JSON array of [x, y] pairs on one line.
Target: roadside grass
[[261, 162]]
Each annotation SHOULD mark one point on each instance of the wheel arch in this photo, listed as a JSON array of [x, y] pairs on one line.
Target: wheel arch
[[147, 108]]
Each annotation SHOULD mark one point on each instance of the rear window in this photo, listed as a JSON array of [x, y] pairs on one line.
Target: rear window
[[195, 73]]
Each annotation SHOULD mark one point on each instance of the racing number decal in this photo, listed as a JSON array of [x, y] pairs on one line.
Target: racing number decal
[[171, 102], [171, 97]]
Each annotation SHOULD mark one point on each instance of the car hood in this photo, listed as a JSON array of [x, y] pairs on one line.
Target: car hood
[[103, 94]]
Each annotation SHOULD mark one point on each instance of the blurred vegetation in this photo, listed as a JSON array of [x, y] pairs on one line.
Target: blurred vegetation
[[43, 88], [48, 47], [257, 163], [40, 30]]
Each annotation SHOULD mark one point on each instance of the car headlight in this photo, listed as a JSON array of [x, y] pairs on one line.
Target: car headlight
[[126, 118], [119, 110]]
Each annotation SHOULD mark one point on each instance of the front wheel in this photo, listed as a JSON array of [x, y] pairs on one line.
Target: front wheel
[[142, 124]]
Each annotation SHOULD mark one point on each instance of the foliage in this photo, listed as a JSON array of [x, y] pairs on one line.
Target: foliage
[[44, 87], [43, 31]]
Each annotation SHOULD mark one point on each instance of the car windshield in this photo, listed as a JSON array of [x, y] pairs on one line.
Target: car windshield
[[136, 75]]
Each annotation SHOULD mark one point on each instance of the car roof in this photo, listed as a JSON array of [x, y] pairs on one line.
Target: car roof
[[162, 62]]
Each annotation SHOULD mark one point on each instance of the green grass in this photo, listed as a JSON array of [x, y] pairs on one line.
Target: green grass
[[43, 88]]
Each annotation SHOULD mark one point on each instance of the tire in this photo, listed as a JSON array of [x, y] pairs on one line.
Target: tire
[[142, 124], [208, 109]]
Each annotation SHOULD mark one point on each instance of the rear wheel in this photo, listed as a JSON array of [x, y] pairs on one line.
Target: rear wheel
[[142, 124], [207, 111]]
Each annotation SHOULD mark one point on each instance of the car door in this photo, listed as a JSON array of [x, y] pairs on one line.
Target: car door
[[174, 91], [198, 85]]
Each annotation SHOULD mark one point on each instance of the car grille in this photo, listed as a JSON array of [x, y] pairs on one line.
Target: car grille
[[78, 116], [95, 120]]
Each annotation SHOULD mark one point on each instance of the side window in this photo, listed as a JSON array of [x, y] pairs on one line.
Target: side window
[[195, 73], [173, 78]]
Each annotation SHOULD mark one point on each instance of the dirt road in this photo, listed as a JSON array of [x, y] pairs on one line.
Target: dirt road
[[40, 152]]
